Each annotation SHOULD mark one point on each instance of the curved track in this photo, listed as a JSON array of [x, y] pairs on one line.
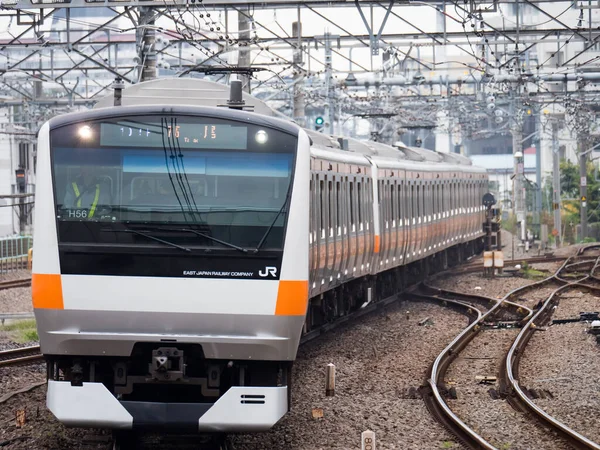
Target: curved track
[[576, 272]]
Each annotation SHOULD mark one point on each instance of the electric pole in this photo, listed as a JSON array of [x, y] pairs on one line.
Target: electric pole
[[244, 24], [583, 188], [519, 203], [298, 93], [330, 110], [146, 38], [556, 183]]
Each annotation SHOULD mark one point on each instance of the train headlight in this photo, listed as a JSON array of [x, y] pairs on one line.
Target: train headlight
[[261, 136], [85, 132]]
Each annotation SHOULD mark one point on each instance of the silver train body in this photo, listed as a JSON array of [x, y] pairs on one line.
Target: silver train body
[[206, 241]]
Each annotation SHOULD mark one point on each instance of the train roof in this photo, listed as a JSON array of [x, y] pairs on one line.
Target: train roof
[[198, 92]]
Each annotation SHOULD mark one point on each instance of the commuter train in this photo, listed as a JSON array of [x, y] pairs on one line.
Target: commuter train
[[183, 248]]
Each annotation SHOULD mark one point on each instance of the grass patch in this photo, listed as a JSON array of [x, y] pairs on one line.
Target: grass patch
[[21, 331], [532, 274], [18, 325], [448, 444]]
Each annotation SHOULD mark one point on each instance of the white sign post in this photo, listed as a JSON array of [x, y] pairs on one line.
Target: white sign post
[[367, 440]]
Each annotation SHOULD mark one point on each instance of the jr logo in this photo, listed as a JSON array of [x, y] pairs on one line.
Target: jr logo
[[272, 271]]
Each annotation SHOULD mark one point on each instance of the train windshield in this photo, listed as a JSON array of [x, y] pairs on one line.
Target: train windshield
[[224, 179]]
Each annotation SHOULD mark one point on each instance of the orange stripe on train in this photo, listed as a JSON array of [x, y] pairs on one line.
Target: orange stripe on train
[[376, 249], [292, 298], [46, 291]]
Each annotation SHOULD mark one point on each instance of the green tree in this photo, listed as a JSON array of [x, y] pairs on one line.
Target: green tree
[[571, 201]]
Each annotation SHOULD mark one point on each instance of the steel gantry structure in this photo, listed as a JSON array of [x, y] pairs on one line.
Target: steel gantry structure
[[414, 63]]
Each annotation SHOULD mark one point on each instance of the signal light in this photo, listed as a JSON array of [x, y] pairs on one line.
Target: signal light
[[319, 123]]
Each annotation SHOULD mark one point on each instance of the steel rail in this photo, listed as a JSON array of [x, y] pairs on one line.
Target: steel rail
[[20, 356], [459, 428], [24, 282], [481, 299], [513, 356]]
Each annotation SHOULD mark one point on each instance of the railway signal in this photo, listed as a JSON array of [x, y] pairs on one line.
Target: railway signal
[[319, 123]]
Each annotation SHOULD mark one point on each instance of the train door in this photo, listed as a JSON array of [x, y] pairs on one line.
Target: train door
[[331, 230], [397, 220], [313, 217], [337, 228], [412, 219], [360, 225], [370, 220], [375, 215], [353, 230], [321, 235], [345, 225], [403, 215]]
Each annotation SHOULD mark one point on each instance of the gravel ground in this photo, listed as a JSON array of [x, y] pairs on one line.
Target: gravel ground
[[572, 302], [477, 284], [389, 355], [565, 360], [531, 298], [494, 420], [15, 300]]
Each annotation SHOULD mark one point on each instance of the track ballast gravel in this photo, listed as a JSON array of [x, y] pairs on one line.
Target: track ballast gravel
[[565, 360]]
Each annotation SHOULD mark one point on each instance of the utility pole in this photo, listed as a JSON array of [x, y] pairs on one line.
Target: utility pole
[[538, 171], [583, 188], [146, 38], [556, 183], [299, 102], [244, 24], [330, 111], [519, 203]]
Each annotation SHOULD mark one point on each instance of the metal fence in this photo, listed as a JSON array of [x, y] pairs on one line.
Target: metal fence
[[13, 253]]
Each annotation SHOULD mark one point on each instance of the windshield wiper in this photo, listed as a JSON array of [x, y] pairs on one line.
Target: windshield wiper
[[207, 236], [139, 233], [264, 238]]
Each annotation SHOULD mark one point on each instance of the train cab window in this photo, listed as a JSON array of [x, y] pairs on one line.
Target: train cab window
[[175, 174]]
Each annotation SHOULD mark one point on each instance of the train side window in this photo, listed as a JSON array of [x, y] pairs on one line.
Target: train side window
[[360, 200], [435, 194], [368, 209], [338, 205], [352, 208], [390, 200], [330, 209], [321, 209], [418, 212], [399, 200]]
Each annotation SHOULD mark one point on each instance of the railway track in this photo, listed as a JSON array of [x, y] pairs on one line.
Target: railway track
[[24, 282], [21, 356], [573, 273]]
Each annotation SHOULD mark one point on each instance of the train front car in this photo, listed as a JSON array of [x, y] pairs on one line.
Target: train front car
[[162, 291]]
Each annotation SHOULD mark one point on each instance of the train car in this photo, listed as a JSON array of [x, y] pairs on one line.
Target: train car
[[184, 247]]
